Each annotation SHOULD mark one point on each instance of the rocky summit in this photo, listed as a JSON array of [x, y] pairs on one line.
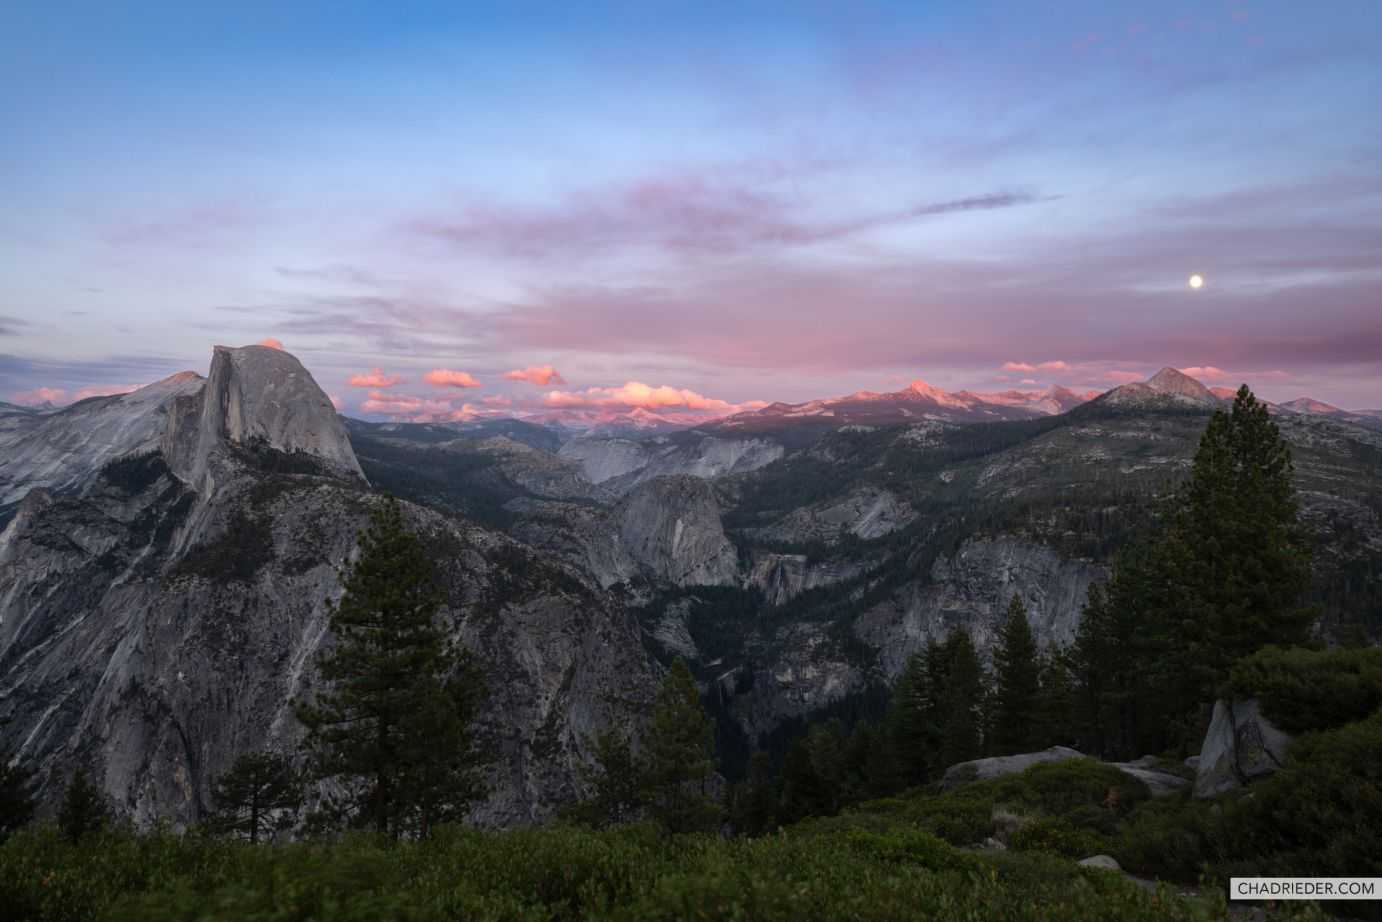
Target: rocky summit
[[169, 556]]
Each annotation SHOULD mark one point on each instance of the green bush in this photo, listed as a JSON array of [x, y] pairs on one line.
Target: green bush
[[1059, 836], [1301, 690], [630, 873], [1320, 815]]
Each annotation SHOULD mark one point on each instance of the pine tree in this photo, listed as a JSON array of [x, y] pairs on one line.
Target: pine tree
[[615, 782], [259, 795], [1243, 558], [1055, 724], [913, 727], [393, 725], [960, 701], [84, 810], [16, 795], [755, 798], [1018, 684], [677, 757]]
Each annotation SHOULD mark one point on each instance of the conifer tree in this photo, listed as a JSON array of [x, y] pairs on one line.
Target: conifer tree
[[84, 810], [1055, 708], [677, 757], [755, 798], [615, 782], [16, 795], [912, 727], [1242, 558], [393, 725], [1017, 684], [259, 795], [960, 701]]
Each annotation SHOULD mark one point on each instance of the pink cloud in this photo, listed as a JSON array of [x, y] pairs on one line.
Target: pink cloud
[[103, 390], [335, 401], [271, 343], [1124, 377], [496, 400], [1040, 366], [375, 378], [407, 408], [1206, 372], [39, 396], [59, 396], [637, 395], [445, 377], [540, 375]]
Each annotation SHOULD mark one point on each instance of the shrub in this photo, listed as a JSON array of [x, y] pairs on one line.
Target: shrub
[[628, 873], [1302, 690], [1058, 836]]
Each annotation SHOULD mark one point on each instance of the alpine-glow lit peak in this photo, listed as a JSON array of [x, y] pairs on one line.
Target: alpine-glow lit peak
[[530, 211]]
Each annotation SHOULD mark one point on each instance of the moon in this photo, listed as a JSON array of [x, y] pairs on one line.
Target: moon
[[1197, 281]]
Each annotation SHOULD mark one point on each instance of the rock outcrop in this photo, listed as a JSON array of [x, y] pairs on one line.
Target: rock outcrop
[[671, 526], [256, 399], [972, 589], [781, 577], [1159, 783], [1240, 746], [622, 464], [998, 766], [57, 451]]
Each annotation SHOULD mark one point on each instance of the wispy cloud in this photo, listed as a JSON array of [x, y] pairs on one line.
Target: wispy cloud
[[688, 214]]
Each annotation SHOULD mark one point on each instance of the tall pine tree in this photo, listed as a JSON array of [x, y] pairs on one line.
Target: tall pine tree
[[678, 757], [960, 701], [392, 727], [1017, 684], [1242, 555]]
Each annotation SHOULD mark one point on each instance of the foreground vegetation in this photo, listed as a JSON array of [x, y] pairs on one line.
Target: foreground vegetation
[[634, 872]]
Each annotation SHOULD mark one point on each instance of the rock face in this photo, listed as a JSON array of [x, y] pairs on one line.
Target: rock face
[[865, 513], [57, 451], [671, 526], [605, 459], [256, 398], [1240, 746], [622, 464], [972, 589], [781, 577], [158, 616]]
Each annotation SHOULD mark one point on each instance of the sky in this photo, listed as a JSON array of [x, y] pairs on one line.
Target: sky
[[451, 210]]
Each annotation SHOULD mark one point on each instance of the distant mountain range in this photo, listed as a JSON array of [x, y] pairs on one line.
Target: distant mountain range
[[921, 402]]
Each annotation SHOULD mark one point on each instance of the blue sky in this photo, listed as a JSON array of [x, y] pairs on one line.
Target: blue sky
[[737, 201]]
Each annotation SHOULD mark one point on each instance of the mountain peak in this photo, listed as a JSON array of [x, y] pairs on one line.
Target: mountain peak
[[256, 395], [1310, 405], [1172, 381]]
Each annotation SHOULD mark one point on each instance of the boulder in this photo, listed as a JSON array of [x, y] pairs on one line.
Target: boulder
[[1241, 745], [1160, 783], [1147, 770], [998, 766], [1107, 862]]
